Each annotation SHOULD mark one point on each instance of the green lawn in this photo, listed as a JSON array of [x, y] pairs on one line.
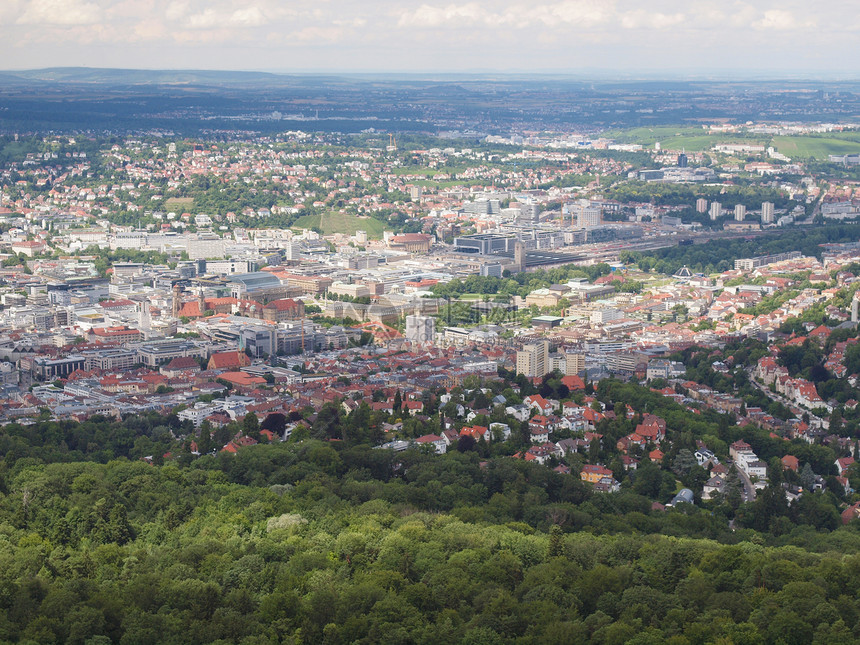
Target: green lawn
[[657, 133], [696, 139], [331, 223], [818, 147], [178, 203], [693, 139]]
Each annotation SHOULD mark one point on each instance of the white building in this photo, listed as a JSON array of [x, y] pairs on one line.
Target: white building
[[198, 413], [605, 315], [715, 211], [585, 214]]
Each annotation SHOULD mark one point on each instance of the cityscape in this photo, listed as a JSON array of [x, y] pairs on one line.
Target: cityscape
[[425, 357]]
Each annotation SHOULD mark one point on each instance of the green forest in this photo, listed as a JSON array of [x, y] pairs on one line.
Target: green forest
[[315, 543], [324, 539]]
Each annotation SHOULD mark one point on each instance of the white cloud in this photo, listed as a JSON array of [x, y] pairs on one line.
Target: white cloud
[[176, 11], [584, 13], [316, 35], [427, 16], [250, 17], [781, 20], [60, 12], [641, 19], [221, 15], [404, 34], [581, 14], [9, 10]]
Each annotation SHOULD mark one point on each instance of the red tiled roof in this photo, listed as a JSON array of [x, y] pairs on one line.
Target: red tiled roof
[[284, 304]]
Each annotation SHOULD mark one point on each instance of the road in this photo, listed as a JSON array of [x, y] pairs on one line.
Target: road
[[814, 420], [749, 490]]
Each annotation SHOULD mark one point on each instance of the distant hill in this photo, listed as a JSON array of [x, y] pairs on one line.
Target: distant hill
[[138, 76]]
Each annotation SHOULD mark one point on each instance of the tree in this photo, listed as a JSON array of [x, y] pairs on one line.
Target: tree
[[556, 542], [465, 443], [328, 424], [807, 477], [251, 425], [684, 461], [276, 423], [119, 529]]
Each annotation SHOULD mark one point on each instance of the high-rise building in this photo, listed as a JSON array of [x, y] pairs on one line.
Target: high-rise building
[[531, 212], [586, 214], [519, 256], [574, 364], [767, 213], [715, 211], [701, 205], [415, 193], [682, 160], [533, 360], [740, 213], [145, 321]]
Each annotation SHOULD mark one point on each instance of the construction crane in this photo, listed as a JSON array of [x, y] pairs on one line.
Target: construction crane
[[392, 143]]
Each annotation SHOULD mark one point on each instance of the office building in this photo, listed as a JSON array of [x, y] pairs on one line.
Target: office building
[[531, 212], [485, 243], [259, 340], [585, 214], [47, 369]]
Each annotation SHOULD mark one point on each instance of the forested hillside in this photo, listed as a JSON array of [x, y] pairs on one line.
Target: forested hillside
[[321, 542]]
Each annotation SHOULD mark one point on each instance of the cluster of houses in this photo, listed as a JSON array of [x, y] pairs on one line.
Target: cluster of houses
[[798, 390]]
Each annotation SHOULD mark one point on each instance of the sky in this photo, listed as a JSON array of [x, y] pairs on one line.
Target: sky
[[784, 38]]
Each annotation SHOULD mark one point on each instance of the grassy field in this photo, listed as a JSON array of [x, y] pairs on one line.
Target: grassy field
[[696, 139], [657, 133], [693, 139], [446, 184], [818, 147], [178, 203], [331, 223]]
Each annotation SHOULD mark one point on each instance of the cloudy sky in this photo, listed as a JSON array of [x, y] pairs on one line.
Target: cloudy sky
[[784, 36]]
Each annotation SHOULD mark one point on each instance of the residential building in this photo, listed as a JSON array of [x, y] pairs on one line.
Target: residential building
[[533, 360], [715, 211]]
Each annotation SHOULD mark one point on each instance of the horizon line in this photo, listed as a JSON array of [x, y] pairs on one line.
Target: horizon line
[[587, 73]]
